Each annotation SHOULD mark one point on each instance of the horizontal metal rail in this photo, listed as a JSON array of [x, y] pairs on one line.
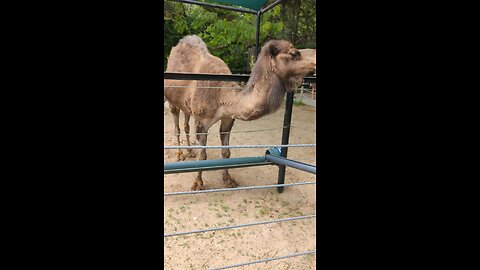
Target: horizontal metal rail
[[270, 6], [272, 157], [291, 163], [239, 146], [238, 88], [230, 132], [216, 6], [205, 87], [213, 164], [267, 260], [235, 189], [239, 226], [205, 76], [217, 77]]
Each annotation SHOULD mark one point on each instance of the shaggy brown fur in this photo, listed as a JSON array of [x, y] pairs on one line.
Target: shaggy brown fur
[[276, 71]]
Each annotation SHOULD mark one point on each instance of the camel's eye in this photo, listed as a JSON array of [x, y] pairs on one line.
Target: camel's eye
[[295, 55]]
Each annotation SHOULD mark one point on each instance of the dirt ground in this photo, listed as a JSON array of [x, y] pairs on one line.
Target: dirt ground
[[193, 212]]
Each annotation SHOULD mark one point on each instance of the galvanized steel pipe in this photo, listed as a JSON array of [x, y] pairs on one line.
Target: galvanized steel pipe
[[213, 164]]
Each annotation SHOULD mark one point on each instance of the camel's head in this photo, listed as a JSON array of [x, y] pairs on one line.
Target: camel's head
[[286, 61]]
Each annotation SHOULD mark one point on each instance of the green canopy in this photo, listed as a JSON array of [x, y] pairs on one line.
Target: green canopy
[[251, 4]]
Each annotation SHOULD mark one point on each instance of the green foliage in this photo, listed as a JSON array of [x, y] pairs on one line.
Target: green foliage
[[229, 34], [299, 17]]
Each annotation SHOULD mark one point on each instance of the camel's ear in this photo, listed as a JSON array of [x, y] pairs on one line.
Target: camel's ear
[[273, 50]]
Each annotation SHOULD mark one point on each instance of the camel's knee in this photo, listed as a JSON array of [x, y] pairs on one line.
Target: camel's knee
[[203, 154], [174, 110], [177, 130], [226, 153]]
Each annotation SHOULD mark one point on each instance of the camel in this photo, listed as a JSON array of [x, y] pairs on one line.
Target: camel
[[275, 72]]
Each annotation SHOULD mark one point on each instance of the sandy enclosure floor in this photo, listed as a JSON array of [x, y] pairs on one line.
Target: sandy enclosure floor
[[193, 212]]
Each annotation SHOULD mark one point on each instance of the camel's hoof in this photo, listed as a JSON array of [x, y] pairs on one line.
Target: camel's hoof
[[197, 187], [180, 156], [230, 182]]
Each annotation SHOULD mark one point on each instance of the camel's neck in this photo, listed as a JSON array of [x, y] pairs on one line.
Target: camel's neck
[[263, 95]]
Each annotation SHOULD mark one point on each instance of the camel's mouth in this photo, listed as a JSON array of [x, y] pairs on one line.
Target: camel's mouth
[[313, 64]]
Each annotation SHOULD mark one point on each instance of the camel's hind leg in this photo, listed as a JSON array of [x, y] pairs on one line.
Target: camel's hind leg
[[176, 120], [190, 152], [225, 128], [201, 131]]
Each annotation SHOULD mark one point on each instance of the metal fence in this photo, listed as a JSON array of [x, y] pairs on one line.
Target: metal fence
[[279, 159]]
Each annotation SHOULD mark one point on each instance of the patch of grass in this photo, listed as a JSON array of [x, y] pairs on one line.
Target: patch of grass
[[297, 102]]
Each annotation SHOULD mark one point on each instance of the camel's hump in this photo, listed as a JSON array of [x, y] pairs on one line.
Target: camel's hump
[[194, 41]]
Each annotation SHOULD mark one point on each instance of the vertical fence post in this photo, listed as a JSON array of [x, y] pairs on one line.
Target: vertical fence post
[[287, 119]]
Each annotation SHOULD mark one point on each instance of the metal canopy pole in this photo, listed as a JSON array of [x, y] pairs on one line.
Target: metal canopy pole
[[257, 49], [291, 163], [271, 6], [287, 119]]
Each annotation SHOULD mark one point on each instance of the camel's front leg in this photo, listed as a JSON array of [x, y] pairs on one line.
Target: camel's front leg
[[190, 152], [225, 128], [202, 140], [176, 120]]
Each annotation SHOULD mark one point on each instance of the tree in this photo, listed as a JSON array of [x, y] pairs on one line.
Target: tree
[[299, 17], [230, 34]]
